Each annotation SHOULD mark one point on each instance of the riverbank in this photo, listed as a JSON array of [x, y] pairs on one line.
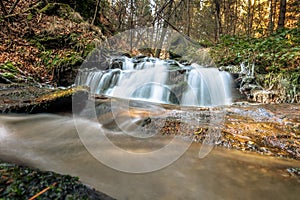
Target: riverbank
[[29, 98], [22, 182], [19, 182]]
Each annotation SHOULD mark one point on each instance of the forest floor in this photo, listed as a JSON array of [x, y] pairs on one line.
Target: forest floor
[[44, 43], [38, 43]]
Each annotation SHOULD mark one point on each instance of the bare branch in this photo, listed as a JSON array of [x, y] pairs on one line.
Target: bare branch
[[13, 7], [3, 8], [96, 10]]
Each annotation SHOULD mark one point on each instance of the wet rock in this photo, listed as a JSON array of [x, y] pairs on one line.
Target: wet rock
[[294, 171], [32, 99], [19, 182], [255, 128]]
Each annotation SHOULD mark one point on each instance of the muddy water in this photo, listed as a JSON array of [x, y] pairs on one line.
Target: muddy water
[[51, 142]]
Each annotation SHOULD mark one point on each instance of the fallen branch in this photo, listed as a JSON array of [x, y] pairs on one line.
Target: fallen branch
[[43, 191]]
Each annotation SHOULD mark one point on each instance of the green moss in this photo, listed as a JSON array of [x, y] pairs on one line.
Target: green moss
[[9, 66], [286, 83], [62, 10], [66, 59], [59, 9], [29, 17], [18, 182], [48, 41], [8, 75]]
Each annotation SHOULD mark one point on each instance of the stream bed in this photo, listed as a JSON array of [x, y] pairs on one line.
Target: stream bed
[[52, 142]]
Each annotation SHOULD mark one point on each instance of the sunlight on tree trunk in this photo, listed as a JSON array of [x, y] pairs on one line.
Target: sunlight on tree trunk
[[282, 12]]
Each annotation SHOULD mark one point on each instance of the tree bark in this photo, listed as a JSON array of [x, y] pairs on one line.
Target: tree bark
[[282, 12], [218, 19], [164, 31], [271, 18], [188, 18], [96, 11]]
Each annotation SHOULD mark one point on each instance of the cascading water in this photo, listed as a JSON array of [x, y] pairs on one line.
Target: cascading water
[[207, 86], [150, 79]]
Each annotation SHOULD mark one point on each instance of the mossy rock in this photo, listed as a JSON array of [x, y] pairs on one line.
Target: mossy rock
[[285, 84], [62, 10], [30, 99], [20, 182], [49, 41]]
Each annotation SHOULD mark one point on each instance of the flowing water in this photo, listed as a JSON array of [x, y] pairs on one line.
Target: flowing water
[[161, 81], [52, 142]]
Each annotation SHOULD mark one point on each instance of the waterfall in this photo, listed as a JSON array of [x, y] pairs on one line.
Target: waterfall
[[207, 86], [150, 79]]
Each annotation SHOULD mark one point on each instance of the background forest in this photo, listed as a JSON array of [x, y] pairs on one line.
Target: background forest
[[45, 40]]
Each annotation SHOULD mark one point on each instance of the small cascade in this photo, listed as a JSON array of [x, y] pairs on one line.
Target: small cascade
[[147, 84], [150, 79]]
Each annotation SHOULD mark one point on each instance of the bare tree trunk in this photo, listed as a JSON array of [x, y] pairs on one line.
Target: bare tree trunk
[[252, 8], [188, 18], [164, 31], [282, 13], [226, 11], [235, 16], [131, 24], [96, 11], [271, 17], [248, 30], [218, 19]]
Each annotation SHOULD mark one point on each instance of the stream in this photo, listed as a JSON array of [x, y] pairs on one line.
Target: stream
[[51, 142], [155, 129]]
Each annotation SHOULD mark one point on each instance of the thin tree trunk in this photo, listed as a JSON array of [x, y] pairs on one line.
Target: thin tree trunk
[[271, 19], [235, 16], [218, 19], [248, 25], [164, 31], [282, 13], [188, 18], [251, 18], [96, 10]]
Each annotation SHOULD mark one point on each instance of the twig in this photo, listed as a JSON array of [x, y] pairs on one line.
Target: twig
[[43, 191], [3, 7], [95, 14], [37, 4], [13, 7], [177, 30]]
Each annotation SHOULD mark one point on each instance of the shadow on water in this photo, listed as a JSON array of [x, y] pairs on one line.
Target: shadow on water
[[50, 142]]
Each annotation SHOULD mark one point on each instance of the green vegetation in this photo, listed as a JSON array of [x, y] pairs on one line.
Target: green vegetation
[[17, 182], [51, 59], [8, 66], [276, 59], [278, 52]]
